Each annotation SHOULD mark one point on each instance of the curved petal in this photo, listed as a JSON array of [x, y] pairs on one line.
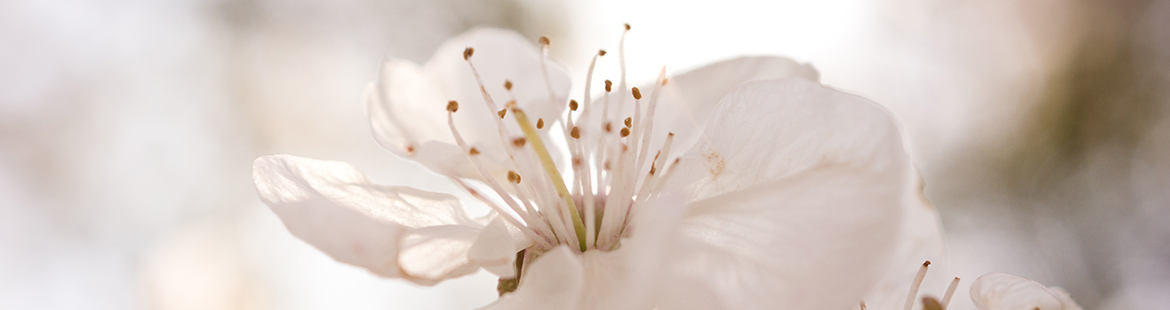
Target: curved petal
[[335, 208], [497, 247], [688, 99], [431, 254], [798, 191], [407, 104], [553, 281], [920, 240], [1001, 291]]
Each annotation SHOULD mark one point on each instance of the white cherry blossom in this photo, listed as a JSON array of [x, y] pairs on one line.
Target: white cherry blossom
[[1001, 291], [745, 184]]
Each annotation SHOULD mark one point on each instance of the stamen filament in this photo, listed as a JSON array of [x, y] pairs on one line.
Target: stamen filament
[[648, 124], [550, 168], [950, 292], [914, 286]]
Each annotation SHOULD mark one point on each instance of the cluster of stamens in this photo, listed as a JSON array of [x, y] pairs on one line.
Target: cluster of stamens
[[928, 302], [592, 208]]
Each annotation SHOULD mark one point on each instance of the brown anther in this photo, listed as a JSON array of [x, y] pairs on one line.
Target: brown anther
[[576, 161], [473, 151], [452, 106], [676, 160], [539, 123], [608, 86], [637, 93], [652, 169], [544, 41], [467, 53], [600, 52], [670, 134], [410, 149], [629, 122], [502, 112], [927, 263], [664, 80], [627, 27], [625, 147], [508, 84], [519, 142], [513, 177], [575, 133], [625, 132], [929, 303], [608, 126], [606, 166], [572, 104]]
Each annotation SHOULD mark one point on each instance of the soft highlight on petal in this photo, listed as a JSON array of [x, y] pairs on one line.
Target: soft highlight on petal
[[798, 193], [431, 254], [334, 207]]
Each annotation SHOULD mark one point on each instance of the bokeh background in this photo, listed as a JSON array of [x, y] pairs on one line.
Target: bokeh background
[[128, 129]]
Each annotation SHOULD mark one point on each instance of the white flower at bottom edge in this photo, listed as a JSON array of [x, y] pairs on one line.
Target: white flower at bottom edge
[[1001, 291], [778, 192]]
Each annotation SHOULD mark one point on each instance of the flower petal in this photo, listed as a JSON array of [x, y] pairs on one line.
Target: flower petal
[[335, 208], [496, 246], [798, 192], [431, 254], [687, 99], [1001, 291], [920, 240], [408, 103], [553, 281]]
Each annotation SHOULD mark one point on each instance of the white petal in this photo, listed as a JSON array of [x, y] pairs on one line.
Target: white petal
[[334, 207], [1001, 291], [553, 281], [495, 247], [408, 103], [800, 191], [921, 240], [688, 99], [431, 254]]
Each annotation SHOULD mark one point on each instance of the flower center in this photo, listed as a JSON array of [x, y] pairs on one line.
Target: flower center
[[590, 206]]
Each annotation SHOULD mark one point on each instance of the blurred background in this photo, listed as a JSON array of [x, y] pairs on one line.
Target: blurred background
[[128, 130]]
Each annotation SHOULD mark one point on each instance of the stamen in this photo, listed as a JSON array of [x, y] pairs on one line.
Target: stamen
[[555, 176], [539, 123], [914, 286], [508, 85], [502, 112], [648, 124], [625, 132], [488, 179], [929, 303], [629, 122], [513, 177], [544, 43], [575, 133], [572, 105], [950, 292]]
